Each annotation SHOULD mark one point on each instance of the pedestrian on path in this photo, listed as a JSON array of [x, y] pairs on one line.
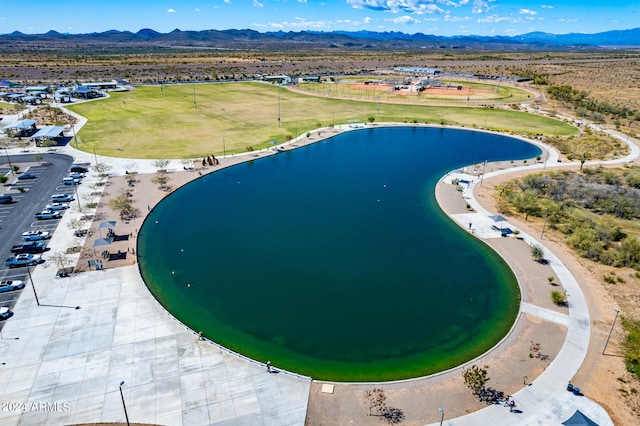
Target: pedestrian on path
[[512, 405], [269, 366]]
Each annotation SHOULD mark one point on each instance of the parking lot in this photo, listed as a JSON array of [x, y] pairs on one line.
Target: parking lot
[[18, 217]]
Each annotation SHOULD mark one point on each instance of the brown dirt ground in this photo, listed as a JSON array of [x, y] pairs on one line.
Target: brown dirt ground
[[604, 377]]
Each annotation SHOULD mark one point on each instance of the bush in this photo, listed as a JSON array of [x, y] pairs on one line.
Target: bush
[[632, 346], [559, 298], [537, 253]]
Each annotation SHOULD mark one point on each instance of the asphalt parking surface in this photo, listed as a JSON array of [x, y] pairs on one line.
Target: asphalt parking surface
[[18, 217]]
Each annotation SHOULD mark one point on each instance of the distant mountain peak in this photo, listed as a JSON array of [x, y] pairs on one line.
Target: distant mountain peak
[[350, 40]]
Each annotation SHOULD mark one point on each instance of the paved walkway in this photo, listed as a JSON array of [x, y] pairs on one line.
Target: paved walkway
[[68, 363]]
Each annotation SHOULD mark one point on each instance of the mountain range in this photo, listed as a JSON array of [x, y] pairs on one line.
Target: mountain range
[[250, 39]]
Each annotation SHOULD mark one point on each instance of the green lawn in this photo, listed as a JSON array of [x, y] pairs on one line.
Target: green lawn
[[151, 122]]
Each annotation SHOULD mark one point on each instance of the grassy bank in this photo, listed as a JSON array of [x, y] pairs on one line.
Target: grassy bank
[[165, 122]]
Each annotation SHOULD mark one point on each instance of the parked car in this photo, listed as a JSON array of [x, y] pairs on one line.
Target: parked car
[[62, 198], [76, 175], [23, 260], [78, 169], [5, 312], [35, 235], [6, 199], [10, 285], [48, 214], [25, 176], [70, 181], [29, 247], [57, 206]]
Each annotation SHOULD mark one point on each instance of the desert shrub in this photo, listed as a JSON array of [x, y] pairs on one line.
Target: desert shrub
[[632, 346], [558, 297]]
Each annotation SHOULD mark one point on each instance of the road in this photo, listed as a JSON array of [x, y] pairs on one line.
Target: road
[[18, 217]]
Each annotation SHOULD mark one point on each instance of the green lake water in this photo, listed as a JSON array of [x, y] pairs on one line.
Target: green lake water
[[334, 260]]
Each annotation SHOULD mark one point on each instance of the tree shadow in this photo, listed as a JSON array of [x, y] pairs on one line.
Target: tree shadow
[[490, 396], [393, 415]]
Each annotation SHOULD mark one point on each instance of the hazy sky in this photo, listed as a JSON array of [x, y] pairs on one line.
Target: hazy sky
[[439, 17]]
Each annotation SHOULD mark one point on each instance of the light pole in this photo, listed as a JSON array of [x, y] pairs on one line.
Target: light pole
[[441, 412], [32, 286], [545, 222], [9, 160], [126, 416], [484, 166], [75, 139], [95, 156], [279, 90], [75, 187], [193, 84], [617, 311]]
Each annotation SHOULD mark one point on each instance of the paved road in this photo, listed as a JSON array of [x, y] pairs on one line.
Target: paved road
[[18, 217]]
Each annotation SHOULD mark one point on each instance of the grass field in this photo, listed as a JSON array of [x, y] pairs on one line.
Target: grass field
[[161, 122]]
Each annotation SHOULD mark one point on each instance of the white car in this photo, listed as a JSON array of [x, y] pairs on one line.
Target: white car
[[57, 206], [35, 235], [5, 312], [76, 175], [71, 181], [47, 214], [10, 285]]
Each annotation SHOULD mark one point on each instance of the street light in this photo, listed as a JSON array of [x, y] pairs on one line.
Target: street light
[[126, 416], [32, 286], [193, 84], [484, 166], [617, 311], [441, 412], [75, 139], [75, 187], [9, 160]]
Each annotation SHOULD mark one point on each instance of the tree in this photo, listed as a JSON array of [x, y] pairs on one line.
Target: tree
[[527, 202], [122, 204], [61, 259], [537, 253], [583, 159], [376, 400], [161, 164], [160, 179], [476, 378], [76, 224], [131, 167], [103, 170], [3, 179]]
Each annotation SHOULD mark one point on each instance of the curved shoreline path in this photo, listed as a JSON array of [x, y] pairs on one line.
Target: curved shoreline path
[[546, 400]]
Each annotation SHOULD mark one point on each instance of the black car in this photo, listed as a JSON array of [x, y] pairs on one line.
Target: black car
[[25, 176], [79, 169]]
